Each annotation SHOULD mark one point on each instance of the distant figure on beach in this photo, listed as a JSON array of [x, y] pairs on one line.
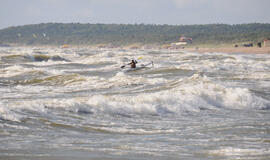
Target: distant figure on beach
[[133, 63]]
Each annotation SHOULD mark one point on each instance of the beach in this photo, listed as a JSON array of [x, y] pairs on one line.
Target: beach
[[255, 50]]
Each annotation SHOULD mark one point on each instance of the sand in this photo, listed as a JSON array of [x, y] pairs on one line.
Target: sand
[[255, 50]]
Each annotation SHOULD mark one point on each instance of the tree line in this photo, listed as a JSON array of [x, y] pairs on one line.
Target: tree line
[[123, 34]]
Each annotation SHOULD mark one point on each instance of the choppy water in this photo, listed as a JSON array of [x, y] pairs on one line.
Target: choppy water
[[78, 104]]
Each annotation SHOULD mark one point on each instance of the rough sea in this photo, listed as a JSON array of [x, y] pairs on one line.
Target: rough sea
[[77, 103]]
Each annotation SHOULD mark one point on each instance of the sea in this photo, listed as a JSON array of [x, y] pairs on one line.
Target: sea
[[78, 103]]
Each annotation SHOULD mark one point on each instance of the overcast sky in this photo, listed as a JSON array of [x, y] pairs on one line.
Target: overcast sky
[[21, 12]]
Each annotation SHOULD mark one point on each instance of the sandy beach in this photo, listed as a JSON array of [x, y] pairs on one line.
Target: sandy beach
[[256, 50]]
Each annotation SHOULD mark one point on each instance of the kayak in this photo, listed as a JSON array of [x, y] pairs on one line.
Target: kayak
[[142, 66]]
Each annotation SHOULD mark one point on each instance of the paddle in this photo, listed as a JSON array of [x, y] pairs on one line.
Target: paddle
[[129, 63]]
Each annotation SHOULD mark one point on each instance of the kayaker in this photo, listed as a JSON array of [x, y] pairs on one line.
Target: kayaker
[[133, 64]]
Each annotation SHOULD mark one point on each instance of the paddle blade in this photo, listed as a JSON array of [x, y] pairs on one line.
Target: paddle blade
[[122, 66], [139, 58]]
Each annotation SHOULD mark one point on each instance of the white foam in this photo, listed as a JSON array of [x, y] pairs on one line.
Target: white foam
[[222, 96], [231, 151], [188, 95], [7, 114], [12, 71], [165, 96]]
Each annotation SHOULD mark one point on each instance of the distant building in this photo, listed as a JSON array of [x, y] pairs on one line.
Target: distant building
[[178, 45], [185, 40], [266, 43], [182, 41]]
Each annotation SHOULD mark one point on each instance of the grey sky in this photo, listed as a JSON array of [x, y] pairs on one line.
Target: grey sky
[[21, 12]]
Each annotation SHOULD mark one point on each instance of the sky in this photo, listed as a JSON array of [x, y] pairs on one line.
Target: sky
[[173, 12]]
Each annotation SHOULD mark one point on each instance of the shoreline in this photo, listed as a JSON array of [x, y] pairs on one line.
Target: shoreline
[[249, 50]]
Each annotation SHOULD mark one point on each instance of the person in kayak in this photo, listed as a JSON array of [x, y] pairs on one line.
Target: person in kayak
[[133, 64]]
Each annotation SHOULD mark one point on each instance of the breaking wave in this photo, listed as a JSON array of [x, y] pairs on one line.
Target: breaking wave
[[31, 58], [194, 94]]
